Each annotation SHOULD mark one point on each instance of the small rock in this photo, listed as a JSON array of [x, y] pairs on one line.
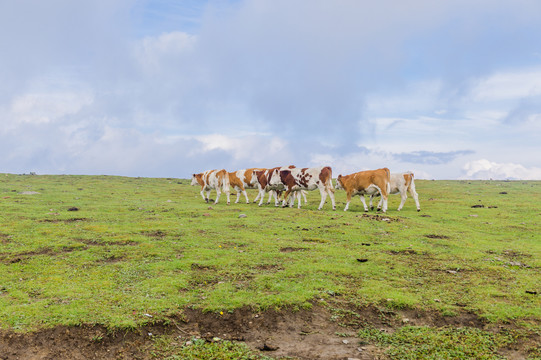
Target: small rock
[[503, 193], [437, 300], [216, 339], [478, 206], [362, 260], [405, 320], [211, 208], [189, 343], [206, 214], [451, 271], [474, 215], [243, 215], [73, 208], [345, 342], [268, 347], [29, 193]]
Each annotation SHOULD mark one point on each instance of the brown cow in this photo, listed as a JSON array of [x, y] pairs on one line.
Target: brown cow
[[366, 183]]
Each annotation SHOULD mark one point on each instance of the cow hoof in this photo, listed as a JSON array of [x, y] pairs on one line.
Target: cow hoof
[[418, 210]]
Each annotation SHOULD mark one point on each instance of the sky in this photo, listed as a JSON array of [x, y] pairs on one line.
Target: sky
[[448, 89]]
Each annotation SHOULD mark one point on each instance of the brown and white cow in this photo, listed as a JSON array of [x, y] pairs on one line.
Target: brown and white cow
[[212, 179], [366, 183], [244, 179], [263, 184], [401, 183], [305, 179]]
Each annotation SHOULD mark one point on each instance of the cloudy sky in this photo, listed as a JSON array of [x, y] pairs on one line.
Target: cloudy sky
[[449, 89]]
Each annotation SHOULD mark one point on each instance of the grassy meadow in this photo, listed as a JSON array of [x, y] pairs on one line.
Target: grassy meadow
[[123, 251]]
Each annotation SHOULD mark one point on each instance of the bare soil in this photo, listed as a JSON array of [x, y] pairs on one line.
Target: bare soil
[[318, 333]]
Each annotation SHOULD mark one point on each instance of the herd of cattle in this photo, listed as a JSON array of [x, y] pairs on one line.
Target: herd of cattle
[[293, 182]]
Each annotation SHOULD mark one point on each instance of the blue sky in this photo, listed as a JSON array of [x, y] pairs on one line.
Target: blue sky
[[447, 89]]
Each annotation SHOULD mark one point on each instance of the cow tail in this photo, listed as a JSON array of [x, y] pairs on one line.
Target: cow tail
[[225, 182], [389, 180]]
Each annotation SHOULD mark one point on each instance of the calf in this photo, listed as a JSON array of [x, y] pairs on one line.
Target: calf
[[305, 179], [212, 179], [402, 183], [366, 182]]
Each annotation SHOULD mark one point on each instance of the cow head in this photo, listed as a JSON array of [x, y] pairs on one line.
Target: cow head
[[275, 178], [260, 176], [338, 185], [196, 179]]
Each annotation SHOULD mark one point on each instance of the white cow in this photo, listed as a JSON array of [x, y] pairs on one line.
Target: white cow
[[401, 183]]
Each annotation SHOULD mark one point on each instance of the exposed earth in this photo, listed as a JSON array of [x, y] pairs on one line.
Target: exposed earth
[[318, 333]]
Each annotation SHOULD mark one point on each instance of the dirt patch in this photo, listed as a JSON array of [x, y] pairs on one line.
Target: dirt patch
[[292, 249], [377, 217], [64, 220], [5, 238], [436, 236], [317, 333], [156, 234]]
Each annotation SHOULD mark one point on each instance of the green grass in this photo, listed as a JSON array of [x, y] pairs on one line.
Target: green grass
[[139, 246], [166, 348], [414, 342]]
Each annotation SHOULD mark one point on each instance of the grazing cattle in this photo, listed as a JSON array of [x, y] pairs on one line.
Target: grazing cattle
[[402, 183], [212, 179], [305, 179], [366, 183], [244, 179]]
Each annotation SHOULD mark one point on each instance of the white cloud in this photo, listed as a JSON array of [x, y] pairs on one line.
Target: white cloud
[[38, 108], [508, 85], [485, 169], [154, 53]]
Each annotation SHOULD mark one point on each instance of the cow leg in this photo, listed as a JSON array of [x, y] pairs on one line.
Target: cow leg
[[403, 197], [286, 197], [364, 203], [227, 194], [271, 192], [218, 193], [246, 196], [203, 195], [323, 193], [385, 198], [237, 189], [330, 190], [416, 198], [380, 204], [262, 193], [348, 200], [299, 201], [208, 196], [304, 194]]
